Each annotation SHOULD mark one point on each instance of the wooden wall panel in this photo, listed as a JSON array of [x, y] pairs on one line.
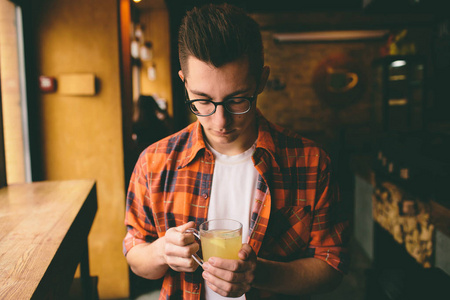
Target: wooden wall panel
[[82, 135]]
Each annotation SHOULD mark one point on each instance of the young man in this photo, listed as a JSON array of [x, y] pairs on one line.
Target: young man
[[233, 163]]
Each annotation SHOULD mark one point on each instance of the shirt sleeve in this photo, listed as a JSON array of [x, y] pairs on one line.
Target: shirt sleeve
[[138, 214], [330, 228]]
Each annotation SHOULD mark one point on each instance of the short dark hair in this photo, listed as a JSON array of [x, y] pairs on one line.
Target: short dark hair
[[219, 34]]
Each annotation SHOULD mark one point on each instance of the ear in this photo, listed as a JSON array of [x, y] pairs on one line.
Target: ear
[[180, 73], [263, 80]]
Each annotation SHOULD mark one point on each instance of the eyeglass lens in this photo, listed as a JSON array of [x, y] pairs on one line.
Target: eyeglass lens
[[236, 105]]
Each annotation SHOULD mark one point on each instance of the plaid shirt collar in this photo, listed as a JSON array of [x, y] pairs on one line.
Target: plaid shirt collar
[[197, 143]]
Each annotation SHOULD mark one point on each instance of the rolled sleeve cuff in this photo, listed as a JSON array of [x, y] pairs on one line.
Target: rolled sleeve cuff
[[336, 257], [130, 241]]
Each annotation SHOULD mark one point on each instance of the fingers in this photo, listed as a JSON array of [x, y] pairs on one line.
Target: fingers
[[231, 265], [246, 263], [232, 271], [184, 251], [231, 278], [225, 288], [179, 247], [182, 264]]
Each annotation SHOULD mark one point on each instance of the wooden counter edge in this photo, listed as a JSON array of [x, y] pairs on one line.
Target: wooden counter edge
[[57, 280]]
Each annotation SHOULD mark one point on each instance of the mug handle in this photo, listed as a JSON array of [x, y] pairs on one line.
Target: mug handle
[[197, 235]]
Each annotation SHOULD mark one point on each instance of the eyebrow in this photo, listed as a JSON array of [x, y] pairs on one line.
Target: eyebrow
[[231, 95]]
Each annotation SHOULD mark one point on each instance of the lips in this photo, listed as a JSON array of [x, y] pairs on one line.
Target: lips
[[223, 133]]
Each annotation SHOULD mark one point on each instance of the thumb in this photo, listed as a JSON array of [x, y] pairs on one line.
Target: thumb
[[246, 252], [184, 227]]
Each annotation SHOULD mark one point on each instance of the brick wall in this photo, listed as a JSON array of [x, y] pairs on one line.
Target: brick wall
[[297, 106]]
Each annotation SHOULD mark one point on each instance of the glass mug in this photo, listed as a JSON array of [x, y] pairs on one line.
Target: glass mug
[[220, 238]]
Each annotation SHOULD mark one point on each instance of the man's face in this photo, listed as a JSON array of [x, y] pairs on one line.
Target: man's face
[[227, 133]]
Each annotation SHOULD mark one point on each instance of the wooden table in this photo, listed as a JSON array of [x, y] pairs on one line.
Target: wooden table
[[43, 237]]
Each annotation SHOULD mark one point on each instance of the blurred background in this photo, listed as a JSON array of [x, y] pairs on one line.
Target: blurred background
[[87, 85]]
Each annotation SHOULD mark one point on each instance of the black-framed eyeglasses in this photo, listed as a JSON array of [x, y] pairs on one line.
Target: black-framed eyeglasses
[[206, 107]]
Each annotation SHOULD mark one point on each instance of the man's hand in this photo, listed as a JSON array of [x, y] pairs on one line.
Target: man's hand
[[178, 248], [231, 278]]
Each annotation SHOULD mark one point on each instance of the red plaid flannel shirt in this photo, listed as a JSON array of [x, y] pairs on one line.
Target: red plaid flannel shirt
[[296, 213]]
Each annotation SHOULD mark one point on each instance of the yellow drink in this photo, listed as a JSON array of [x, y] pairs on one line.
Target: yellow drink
[[221, 243]]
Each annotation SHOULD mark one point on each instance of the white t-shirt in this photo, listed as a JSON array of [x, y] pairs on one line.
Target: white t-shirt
[[232, 194]]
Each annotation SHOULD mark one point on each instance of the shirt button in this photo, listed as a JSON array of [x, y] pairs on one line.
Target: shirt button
[[205, 195], [195, 286]]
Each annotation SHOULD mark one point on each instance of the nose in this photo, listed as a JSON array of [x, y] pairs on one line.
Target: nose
[[221, 117]]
